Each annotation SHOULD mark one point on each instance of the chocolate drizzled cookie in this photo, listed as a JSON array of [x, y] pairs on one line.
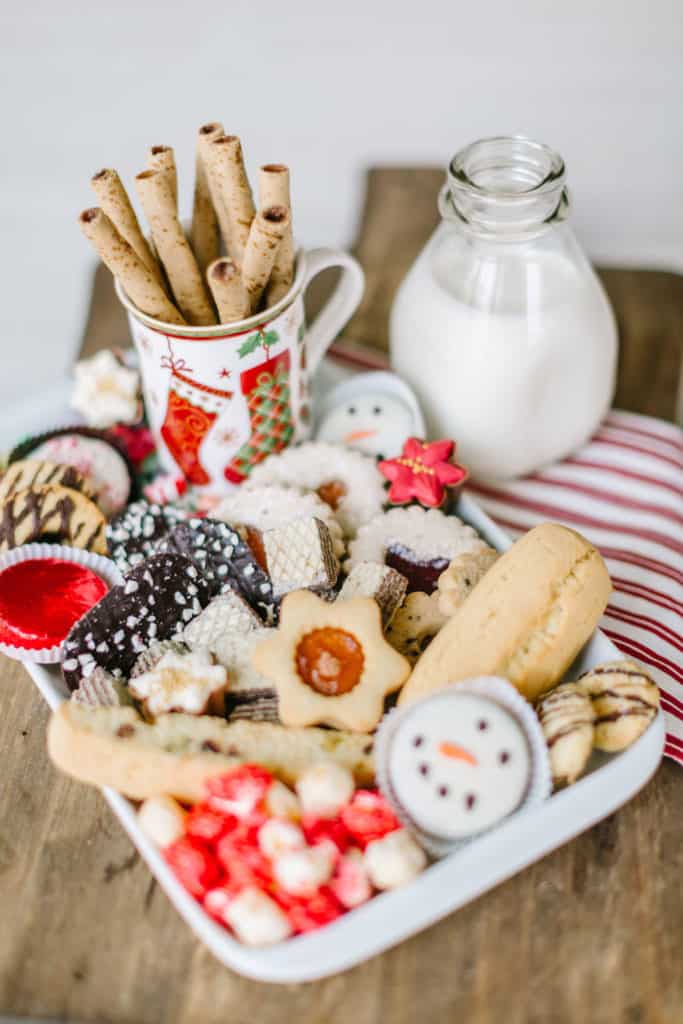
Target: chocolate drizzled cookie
[[566, 716], [33, 473], [56, 513], [156, 600], [625, 700]]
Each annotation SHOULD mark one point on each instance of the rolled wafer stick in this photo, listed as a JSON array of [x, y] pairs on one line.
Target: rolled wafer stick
[[207, 134], [228, 291], [204, 236], [115, 203], [274, 191], [267, 230], [140, 284], [174, 250], [230, 184], [162, 158]]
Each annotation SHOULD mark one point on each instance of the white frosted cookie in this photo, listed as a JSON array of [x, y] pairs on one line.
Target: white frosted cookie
[[625, 700], [274, 505], [190, 682], [566, 716], [418, 542], [101, 465], [348, 481]]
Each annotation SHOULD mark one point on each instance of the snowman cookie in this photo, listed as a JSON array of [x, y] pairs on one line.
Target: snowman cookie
[[459, 762], [374, 413], [346, 480]]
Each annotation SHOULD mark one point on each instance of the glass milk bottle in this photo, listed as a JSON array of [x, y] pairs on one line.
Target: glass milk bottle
[[501, 326]]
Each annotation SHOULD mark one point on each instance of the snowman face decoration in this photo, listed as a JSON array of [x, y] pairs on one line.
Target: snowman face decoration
[[458, 764], [376, 423]]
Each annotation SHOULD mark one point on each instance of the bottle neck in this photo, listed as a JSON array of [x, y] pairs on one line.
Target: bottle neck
[[506, 187]]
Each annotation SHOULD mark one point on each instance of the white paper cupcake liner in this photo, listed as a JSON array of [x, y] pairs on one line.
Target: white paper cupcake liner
[[100, 565], [504, 694]]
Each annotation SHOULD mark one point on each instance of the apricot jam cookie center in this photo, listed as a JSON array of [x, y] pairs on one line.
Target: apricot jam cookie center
[[330, 661]]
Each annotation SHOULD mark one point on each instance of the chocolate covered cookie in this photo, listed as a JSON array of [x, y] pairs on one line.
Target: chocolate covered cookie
[[133, 534], [156, 600]]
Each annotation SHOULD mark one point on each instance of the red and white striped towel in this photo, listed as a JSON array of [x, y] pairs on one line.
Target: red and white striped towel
[[624, 492]]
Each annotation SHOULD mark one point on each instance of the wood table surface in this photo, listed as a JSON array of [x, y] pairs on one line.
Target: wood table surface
[[593, 933]]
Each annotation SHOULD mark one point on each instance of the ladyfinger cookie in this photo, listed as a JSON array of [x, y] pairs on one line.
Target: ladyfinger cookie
[[526, 619], [113, 746]]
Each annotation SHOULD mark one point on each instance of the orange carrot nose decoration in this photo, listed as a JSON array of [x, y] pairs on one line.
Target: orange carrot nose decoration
[[457, 753], [359, 435]]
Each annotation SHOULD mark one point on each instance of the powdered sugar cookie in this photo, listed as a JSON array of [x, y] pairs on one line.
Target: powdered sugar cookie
[[346, 480], [261, 508], [417, 542], [415, 624]]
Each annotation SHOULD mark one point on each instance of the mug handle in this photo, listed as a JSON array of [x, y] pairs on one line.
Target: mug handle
[[341, 305]]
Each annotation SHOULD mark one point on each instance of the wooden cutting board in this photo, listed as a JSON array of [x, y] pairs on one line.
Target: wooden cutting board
[[592, 934]]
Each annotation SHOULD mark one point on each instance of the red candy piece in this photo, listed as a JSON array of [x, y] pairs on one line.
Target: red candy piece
[[308, 913], [42, 598], [422, 472], [368, 816], [204, 823], [193, 864], [241, 856], [326, 830], [240, 792]]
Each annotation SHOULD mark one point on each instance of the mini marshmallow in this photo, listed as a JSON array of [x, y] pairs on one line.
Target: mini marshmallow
[[281, 802], [162, 820], [351, 883], [276, 837], [394, 860], [256, 919], [324, 789], [301, 872]]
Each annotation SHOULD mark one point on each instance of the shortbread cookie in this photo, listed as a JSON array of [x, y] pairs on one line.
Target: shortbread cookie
[[224, 559], [462, 575], [330, 663], [102, 690], [383, 584], [178, 753], [418, 543], [415, 624], [345, 479], [300, 556], [225, 616], [134, 534], [192, 683], [100, 461], [32, 473], [156, 600], [257, 509], [625, 700], [566, 716], [152, 655], [53, 512], [526, 620]]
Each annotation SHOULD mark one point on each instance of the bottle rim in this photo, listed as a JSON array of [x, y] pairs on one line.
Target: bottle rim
[[531, 168]]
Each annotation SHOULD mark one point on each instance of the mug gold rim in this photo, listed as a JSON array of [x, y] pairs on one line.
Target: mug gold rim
[[218, 330]]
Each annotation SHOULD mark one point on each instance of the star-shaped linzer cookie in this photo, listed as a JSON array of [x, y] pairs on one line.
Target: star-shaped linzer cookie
[[330, 663]]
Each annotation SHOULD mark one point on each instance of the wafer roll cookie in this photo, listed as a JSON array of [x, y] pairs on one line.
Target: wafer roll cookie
[[162, 158], [204, 236], [229, 181], [208, 133], [141, 286], [115, 203], [274, 191], [228, 291], [267, 229], [174, 250]]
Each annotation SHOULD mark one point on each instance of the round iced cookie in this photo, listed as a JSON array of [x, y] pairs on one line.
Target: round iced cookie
[[265, 507], [374, 423], [457, 764], [419, 543], [346, 480], [98, 461]]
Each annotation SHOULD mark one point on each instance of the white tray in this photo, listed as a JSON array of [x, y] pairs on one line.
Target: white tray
[[445, 886]]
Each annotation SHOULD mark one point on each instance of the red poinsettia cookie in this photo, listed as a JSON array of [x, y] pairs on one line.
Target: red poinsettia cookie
[[422, 472]]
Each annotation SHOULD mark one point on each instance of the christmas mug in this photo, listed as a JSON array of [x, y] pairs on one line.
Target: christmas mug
[[221, 399]]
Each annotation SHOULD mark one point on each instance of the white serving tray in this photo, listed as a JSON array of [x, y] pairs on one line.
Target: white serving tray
[[445, 886]]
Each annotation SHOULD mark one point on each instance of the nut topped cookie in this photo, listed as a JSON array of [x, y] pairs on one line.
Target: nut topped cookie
[[330, 663]]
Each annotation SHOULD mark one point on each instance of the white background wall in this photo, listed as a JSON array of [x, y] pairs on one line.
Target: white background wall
[[328, 88]]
